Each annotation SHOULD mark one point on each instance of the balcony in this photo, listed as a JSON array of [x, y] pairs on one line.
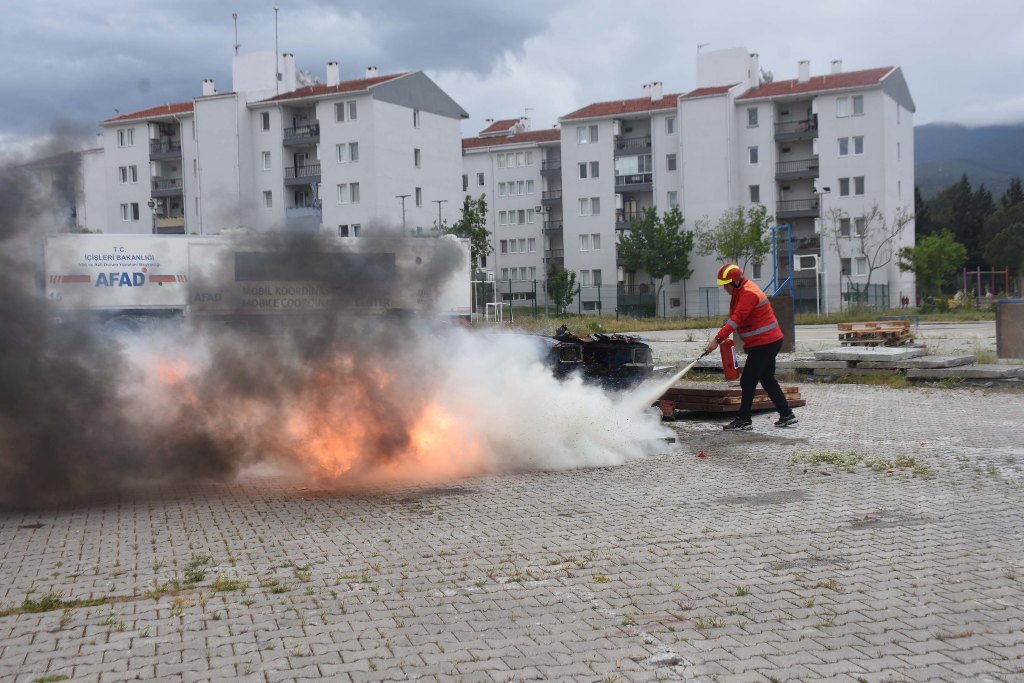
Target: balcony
[[624, 218], [174, 225], [797, 208], [168, 187], [552, 227], [302, 175], [554, 256], [551, 168], [302, 135], [634, 182], [806, 129], [164, 149], [797, 168], [551, 198], [807, 245], [303, 218], [632, 145]]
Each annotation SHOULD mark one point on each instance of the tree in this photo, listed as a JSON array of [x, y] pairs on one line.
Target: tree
[[473, 226], [740, 236], [1006, 250], [932, 259], [561, 287], [871, 237], [923, 224], [1014, 194], [659, 246], [1000, 220]]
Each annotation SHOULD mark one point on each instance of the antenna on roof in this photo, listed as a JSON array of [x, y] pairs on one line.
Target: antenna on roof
[[234, 18], [700, 45]]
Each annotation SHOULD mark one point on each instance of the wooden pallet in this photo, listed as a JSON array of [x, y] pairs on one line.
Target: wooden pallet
[[884, 333], [725, 400]]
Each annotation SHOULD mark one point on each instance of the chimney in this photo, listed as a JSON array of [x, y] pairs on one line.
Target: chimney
[[208, 88], [333, 73], [655, 90], [371, 72], [287, 72], [837, 66], [803, 70], [645, 90]]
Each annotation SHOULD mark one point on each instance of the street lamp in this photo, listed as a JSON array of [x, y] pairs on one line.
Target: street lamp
[[439, 202], [403, 197], [821, 249]]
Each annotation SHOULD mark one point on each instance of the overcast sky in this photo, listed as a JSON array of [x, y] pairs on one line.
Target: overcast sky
[[79, 62]]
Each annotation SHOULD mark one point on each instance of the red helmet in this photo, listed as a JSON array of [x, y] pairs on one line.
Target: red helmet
[[730, 273]]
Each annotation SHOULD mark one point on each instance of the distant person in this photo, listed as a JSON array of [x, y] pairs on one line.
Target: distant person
[[751, 315]]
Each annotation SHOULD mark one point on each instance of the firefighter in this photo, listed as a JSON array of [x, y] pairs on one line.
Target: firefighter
[[751, 315]]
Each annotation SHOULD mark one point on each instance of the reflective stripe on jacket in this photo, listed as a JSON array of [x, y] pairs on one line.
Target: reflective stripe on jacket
[[751, 314]]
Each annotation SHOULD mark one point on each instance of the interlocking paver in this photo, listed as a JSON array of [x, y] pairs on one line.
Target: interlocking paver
[[751, 564]]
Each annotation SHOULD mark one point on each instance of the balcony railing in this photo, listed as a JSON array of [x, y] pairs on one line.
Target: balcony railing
[[624, 218], [797, 168], [552, 226], [306, 134], [554, 255], [553, 165], [797, 129], [165, 147], [634, 179], [307, 171], [639, 143], [797, 207], [168, 184], [551, 195]]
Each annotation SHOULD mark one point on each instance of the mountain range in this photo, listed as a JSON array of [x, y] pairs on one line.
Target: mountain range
[[989, 155]]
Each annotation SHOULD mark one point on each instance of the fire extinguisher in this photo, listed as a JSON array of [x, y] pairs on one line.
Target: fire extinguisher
[[730, 363]]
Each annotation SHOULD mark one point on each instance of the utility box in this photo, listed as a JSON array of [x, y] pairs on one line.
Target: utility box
[[1010, 328], [782, 305]]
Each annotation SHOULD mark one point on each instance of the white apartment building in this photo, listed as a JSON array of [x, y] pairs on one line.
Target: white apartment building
[[519, 171], [818, 152], [280, 151]]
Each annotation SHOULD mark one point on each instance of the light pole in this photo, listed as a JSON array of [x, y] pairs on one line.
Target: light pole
[[821, 250], [403, 197], [439, 202]]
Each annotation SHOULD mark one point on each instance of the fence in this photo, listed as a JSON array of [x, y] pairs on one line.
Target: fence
[[875, 297]]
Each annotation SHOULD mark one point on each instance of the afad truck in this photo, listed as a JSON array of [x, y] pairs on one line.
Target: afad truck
[[128, 278]]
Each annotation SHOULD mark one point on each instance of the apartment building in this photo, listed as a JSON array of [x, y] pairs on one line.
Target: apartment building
[[519, 171], [830, 157], [281, 151]]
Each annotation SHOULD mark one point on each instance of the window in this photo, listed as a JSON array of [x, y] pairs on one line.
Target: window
[[584, 206], [584, 242], [670, 125], [123, 174], [531, 216], [861, 265], [844, 187], [520, 159], [521, 187], [415, 118], [355, 192], [522, 250], [529, 187], [858, 186], [417, 158], [268, 199], [595, 241], [504, 273], [672, 199], [584, 278], [755, 194], [670, 162], [501, 161], [521, 216], [752, 154], [583, 169], [125, 212], [844, 227], [595, 276], [842, 107], [531, 244], [345, 111], [897, 151], [348, 152], [348, 193], [844, 146], [756, 271], [419, 196], [581, 135], [465, 182], [858, 144], [860, 227], [595, 206], [533, 272], [844, 267], [674, 303], [126, 137], [503, 248], [343, 231], [858, 105], [594, 169], [265, 120], [529, 158], [513, 248], [502, 219], [752, 117], [593, 133], [501, 189], [480, 179], [266, 161]]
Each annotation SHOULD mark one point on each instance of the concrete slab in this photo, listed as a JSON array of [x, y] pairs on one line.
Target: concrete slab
[[876, 354], [969, 372], [922, 362], [810, 364], [839, 372]]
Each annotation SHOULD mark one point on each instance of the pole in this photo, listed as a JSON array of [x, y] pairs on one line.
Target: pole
[[439, 202], [403, 197]]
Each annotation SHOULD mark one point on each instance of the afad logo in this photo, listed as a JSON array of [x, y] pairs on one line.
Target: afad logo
[[136, 279]]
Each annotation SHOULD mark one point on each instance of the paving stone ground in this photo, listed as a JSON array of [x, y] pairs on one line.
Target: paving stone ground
[[767, 560]]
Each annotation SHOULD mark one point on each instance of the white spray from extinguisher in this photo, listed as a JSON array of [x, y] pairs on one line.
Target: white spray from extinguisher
[[730, 366]]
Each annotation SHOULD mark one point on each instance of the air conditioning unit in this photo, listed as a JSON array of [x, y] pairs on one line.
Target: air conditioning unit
[[616, 127], [538, 209], [806, 262], [547, 209]]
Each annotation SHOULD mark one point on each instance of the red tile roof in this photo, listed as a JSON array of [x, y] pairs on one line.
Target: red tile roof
[[618, 107], [707, 92], [499, 126], [548, 135], [154, 112], [851, 79], [357, 85]]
